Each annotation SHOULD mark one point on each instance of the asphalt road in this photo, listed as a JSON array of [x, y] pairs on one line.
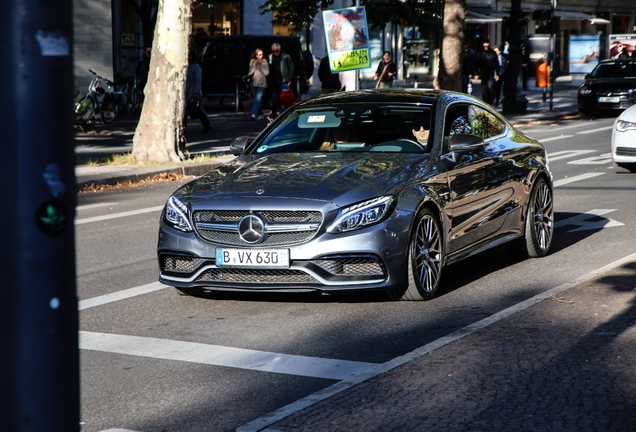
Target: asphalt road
[[152, 360]]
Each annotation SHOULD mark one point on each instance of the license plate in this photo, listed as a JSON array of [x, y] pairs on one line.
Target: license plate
[[612, 99], [270, 258]]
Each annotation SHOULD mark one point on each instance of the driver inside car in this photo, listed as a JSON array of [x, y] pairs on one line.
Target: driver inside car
[[421, 128]]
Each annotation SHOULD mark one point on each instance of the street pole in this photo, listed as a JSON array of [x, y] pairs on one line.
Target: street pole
[[515, 101], [39, 360], [552, 52], [357, 70]]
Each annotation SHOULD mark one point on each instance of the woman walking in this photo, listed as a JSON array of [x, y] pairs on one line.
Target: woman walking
[[259, 69]]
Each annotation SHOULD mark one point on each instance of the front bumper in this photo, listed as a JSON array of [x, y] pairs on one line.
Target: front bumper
[[623, 146], [365, 259], [590, 102]]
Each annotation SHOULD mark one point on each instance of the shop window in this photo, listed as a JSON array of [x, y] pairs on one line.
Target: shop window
[[281, 27], [227, 18]]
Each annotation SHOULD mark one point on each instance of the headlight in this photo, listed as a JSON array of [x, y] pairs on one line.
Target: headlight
[[178, 215], [623, 126], [361, 215], [584, 91]]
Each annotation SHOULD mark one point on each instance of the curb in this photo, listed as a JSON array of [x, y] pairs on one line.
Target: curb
[[139, 174]]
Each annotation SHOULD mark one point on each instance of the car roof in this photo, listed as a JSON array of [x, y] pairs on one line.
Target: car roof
[[411, 96]]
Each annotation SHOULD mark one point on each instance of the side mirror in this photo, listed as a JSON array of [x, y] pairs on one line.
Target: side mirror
[[239, 145], [466, 143], [632, 95], [587, 75]]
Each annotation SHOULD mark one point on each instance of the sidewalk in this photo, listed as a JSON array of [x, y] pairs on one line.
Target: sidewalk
[[562, 361], [99, 140]]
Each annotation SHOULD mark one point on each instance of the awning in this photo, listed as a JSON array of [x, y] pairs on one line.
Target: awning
[[474, 17], [580, 16]]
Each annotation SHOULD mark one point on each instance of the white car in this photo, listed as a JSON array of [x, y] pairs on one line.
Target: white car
[[624, 140]]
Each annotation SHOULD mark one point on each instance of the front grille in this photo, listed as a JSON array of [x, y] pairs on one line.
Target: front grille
[[274, 218], [182, 264], [625, 151], [350, 266], [274, 239], [255, 276]]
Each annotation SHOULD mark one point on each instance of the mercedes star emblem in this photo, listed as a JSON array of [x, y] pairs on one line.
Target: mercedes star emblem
[[251, 229]]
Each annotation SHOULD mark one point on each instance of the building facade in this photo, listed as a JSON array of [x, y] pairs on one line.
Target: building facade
[[108, 33]]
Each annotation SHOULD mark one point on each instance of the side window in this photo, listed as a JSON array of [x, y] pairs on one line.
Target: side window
[[455, 121], [484, 123]]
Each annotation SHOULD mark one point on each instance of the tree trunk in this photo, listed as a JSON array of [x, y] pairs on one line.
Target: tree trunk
[[160, 133], [451, 56]]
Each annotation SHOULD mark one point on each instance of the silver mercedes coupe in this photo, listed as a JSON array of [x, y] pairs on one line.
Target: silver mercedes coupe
[[365, 190]]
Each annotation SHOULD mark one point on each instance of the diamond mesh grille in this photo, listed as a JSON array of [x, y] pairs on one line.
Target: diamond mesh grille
[[270, 216], [274, 239], [350, 266], [183, 264], [255, 276]]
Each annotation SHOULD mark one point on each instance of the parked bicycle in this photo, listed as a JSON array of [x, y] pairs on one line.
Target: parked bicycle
[[103, 97]]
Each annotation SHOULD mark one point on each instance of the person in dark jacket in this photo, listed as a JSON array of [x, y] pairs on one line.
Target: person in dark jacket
[[386, 71], [194, 96], [281, 70], [141, 72], [487, 67], [503, 64], [330, 81], [469, 65]]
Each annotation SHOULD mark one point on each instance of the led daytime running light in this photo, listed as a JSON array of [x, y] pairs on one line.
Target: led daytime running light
[[361, 215], [177, 214], [623, 126]]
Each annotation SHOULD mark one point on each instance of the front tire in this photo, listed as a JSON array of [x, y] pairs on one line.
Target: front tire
[[425, 257], [539, 225], [109, 111], [85, 110]]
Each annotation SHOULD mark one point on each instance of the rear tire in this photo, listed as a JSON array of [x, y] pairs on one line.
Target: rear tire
[[425, 257], [539, 225], [109, 111]]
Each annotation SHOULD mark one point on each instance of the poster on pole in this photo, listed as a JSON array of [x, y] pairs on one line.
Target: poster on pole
[[584, 53], [347, 39], [622, 45]]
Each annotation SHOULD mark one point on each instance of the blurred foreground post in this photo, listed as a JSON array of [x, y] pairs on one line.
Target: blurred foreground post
[[39, 367]]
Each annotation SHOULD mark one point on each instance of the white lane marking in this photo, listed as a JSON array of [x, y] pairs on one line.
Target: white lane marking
[[118, 215], [560, 128], [222, 356], [268, 419], [594, 160], [542, 140], [90, 206], [595, 130], [120, 295], [564, 154], [573, 179], [583, 221]]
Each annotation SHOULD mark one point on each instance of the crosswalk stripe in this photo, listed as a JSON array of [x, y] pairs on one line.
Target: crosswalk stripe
[[217, 355]]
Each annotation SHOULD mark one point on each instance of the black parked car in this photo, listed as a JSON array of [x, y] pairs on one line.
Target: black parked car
[[375, 189], [223, 59], [610, 86]]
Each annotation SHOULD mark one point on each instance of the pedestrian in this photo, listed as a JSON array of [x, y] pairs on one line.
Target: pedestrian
[[259, 69], [487, 67], [525, 67], [281, 71], [503, 64], [385, 72], [141, 73], [330, 81], [468, 66], [194, 97]]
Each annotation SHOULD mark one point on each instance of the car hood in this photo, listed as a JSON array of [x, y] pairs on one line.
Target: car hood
[[341, 178]]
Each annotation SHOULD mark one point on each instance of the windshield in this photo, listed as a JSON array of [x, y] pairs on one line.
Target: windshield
[[351, 128], [618, 69]]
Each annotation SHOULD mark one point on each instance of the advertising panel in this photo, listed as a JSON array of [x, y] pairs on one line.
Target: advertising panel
[[584, 53], [347, 39], [622, 45]]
